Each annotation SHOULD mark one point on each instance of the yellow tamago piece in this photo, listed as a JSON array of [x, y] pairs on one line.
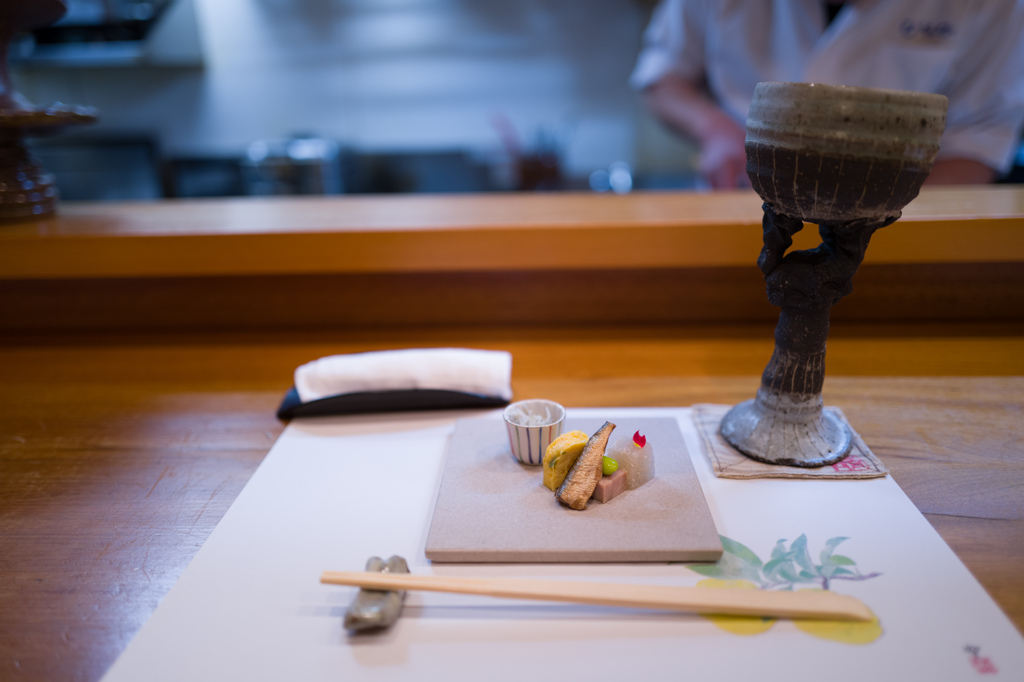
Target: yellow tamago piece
[[560, 455]]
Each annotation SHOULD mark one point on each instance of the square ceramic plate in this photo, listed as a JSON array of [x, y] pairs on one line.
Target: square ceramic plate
[[492, 509]]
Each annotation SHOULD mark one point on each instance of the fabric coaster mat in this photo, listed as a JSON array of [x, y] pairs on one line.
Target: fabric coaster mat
[[728, 462]]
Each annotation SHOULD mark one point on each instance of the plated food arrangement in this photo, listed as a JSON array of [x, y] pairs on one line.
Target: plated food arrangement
[[494, 506], [579, 468]]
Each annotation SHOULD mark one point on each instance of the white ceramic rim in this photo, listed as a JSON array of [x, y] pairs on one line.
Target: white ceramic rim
[[831, 92], [561, 410], [848, 120]]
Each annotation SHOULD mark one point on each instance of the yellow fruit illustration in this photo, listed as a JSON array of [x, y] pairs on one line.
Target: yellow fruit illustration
[[738, 625], [560, 455], [847, 632]]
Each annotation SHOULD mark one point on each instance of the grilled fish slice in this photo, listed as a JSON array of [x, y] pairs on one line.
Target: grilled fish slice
[[579, 484]]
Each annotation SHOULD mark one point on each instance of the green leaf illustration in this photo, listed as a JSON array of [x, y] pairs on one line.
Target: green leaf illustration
[[788, 567], [734, 567], [830, 547], [739, 550], [786, 572], [738, 562], [708, 570], [803, 558]]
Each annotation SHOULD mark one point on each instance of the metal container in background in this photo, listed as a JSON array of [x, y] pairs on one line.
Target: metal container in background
[[301, 165]]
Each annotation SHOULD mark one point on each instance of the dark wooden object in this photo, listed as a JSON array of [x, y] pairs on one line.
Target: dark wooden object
[[27, 191]]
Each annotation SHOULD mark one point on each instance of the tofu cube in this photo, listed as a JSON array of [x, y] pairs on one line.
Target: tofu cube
[[610, 486]]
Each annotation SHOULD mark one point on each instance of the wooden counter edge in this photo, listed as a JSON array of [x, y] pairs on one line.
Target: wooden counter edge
[[338, 235]]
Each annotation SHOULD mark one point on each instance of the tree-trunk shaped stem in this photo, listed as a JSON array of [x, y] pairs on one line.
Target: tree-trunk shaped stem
[[785, 423]]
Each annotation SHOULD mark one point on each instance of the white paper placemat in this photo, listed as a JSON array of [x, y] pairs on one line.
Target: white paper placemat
[[335, 491]]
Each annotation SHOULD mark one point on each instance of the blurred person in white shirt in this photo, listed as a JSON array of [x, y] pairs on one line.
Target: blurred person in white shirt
[[702, 58]]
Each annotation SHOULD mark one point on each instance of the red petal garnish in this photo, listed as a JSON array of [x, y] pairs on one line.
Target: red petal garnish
[[639, 440]]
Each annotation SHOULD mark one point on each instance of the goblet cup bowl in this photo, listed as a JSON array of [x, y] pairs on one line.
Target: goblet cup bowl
[[826, 153]]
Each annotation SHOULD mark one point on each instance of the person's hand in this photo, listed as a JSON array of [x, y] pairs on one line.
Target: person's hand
[[723, 161], [960, 172], [688, 110]]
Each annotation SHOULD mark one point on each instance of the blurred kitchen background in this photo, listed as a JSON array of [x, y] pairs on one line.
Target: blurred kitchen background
[[252, 97]]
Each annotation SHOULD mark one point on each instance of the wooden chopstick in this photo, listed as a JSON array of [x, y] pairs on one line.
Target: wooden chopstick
[[811, 605]]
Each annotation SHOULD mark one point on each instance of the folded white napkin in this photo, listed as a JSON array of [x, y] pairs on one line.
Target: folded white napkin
[[483, 372]]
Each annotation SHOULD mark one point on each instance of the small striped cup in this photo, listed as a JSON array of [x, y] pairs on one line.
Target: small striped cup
[[531, 426]]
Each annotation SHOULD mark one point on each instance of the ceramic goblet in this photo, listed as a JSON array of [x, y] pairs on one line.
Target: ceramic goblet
[[848, 159]]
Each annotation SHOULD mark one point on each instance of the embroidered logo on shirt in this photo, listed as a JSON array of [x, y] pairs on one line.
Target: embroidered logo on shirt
[[926, 31]]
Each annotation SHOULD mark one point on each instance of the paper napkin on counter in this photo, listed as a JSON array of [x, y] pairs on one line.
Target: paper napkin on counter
[[482, 372], [400, 380]]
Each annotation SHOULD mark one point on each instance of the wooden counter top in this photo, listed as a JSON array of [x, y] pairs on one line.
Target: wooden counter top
[[118, 457], [145, 348], [453, 233], [502, 259]]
